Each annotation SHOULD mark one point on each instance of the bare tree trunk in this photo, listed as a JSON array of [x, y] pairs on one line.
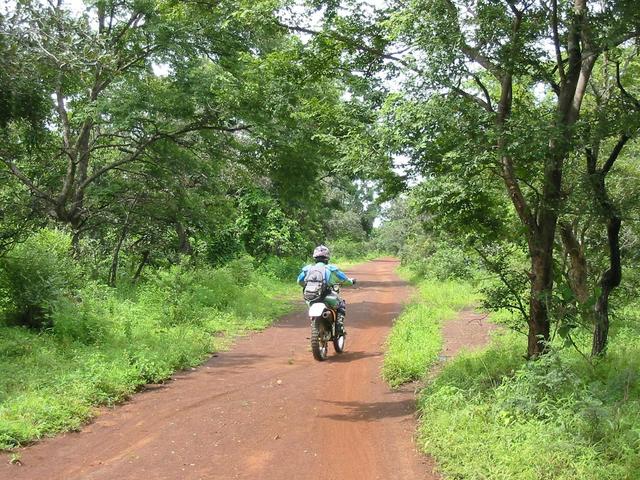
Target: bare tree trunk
[[541, 285], [612, 277], [143, 262], [609, 281], [76, 232], [577, 263], [113, 271], [184, 246]]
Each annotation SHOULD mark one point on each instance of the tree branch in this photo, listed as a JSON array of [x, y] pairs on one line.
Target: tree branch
[[473, 98], [13, 168], [556, 41], [484, 91], [135, 155], [349, 41], [624, 92], [624, 138]]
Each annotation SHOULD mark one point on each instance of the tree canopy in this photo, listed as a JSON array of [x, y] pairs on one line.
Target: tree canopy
[[160, 129]]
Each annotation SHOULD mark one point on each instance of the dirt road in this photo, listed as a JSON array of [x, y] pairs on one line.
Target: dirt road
[[264, 410]]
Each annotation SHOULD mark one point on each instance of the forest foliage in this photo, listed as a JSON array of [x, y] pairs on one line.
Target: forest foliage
[[166, 165]]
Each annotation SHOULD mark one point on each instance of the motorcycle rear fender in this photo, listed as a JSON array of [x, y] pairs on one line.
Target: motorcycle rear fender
[[316, 309]]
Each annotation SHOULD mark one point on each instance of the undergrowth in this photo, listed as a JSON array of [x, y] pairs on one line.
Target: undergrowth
[[415, 340], [103, 344], [491, 415]]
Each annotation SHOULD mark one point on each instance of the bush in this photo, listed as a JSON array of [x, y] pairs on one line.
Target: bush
[[241, 269], [439, 260], [282, 268], [345, 249], [488, 413], [35, 275], [83, 318]]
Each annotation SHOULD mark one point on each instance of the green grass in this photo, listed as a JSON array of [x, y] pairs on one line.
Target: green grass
[[492, 415], [107, 344], [415, 340]]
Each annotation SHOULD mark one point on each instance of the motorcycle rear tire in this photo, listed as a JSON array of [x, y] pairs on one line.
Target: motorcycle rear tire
[[319, 346]]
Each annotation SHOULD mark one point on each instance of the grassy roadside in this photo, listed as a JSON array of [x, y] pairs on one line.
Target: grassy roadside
[[105, 344], [415, 340], [491, 415], [109, 343]]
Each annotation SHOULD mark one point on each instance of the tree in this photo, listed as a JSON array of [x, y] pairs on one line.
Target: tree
[[109, 108], [612, 122], [492, 58]]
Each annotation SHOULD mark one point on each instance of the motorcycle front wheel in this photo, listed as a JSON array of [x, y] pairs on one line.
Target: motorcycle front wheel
[[339, 343], [319, 344]]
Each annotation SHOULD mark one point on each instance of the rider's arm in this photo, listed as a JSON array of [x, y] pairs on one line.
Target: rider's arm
[[342, 277], [303, 273]]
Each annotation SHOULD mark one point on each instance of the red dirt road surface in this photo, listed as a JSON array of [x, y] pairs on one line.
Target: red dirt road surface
[[265, 410]]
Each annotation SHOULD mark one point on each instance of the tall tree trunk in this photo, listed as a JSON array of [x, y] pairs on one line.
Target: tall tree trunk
[[113, 271], [76, 232], [541, 285], [609, 281], [184, 246], [143, 262], [612, 277], [577, 263]]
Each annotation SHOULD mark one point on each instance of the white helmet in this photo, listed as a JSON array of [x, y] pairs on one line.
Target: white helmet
[[321, 252]]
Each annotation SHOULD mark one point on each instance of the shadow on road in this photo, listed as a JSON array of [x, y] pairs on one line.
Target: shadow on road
[[369, 411], [352, 356]]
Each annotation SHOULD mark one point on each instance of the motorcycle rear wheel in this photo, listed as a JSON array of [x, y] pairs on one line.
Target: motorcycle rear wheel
[[319, 346]]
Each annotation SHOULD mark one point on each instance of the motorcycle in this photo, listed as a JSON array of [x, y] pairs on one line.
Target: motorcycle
[[324, 319]]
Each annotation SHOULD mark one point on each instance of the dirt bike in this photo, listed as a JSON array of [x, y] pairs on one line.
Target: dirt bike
[[324, 320]]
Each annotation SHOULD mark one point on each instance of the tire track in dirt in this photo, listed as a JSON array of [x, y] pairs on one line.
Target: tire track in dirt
[[264, 410]]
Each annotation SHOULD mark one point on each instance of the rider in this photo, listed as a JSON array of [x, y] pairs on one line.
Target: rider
[[333, 276]]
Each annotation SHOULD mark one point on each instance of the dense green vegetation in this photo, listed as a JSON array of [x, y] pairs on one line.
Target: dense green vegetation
[[415, 341], [486, 413], [101, 344], [167, 166]]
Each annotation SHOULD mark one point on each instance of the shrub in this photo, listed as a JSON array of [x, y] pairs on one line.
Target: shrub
[[282, 268], [347, 249], [83, 318], [488, 412], [438, 260], [35, 275], [241, 269]]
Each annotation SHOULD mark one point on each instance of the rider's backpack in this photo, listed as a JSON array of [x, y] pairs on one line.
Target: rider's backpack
[[315, 283]]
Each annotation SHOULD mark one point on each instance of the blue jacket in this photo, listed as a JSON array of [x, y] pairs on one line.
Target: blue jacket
[[332, 275]]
